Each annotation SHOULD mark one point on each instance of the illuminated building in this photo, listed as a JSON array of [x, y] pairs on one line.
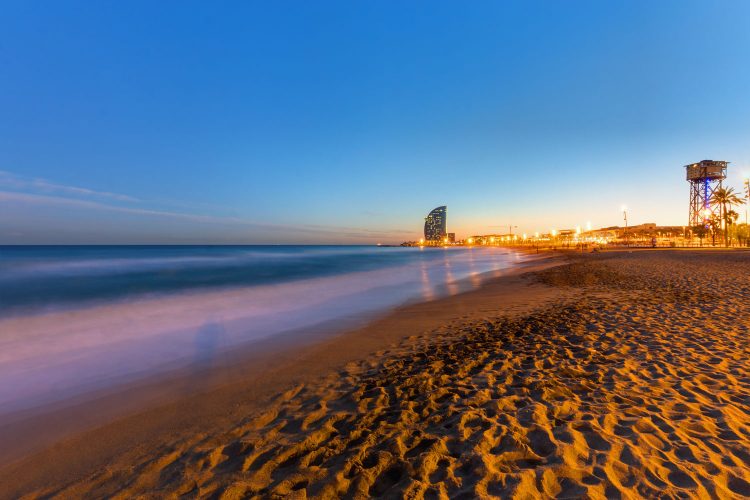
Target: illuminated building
[[435, 225], [451, 237]]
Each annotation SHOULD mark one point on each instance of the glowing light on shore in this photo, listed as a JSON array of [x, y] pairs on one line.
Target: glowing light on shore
[[524, 235], [470, 241], [553, 232], [588, 226], [492, 239], [536, 235]]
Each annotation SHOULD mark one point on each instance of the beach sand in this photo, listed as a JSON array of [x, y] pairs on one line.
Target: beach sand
[[622, 374]]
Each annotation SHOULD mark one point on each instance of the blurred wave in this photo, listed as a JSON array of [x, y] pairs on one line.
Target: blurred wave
[[39, 277], [74, 319]]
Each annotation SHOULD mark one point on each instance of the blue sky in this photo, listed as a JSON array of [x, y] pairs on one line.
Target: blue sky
[[346, 122]]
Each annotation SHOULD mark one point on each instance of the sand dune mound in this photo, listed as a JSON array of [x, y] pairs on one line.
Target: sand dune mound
[[640, 387]]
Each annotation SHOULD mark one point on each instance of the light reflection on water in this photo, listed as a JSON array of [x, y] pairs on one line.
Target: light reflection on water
[[428, 292]]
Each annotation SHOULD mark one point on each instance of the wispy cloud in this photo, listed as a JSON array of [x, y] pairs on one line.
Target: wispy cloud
[[318, 230], [44, 186], [43, 192]]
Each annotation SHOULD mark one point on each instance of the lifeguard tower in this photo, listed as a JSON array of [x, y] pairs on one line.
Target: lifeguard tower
[[704, 177]]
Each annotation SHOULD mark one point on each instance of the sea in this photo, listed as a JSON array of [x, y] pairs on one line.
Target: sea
[[75, 319]]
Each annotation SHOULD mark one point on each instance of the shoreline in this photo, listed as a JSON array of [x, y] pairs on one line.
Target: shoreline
[[147, 407], [63, 351], [607, 375]]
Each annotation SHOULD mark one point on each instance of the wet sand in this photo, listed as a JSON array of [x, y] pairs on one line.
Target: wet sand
[[614, 375]]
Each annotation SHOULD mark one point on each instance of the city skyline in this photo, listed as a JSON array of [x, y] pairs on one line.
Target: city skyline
[[331, 123]]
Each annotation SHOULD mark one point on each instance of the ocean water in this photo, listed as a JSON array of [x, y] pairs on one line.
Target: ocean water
[[76, 319]]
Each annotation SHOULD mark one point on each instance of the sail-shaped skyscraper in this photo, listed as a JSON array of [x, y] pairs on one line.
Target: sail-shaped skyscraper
[[435, 227]]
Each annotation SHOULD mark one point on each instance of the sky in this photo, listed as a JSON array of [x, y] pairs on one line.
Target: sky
[[347, 122]]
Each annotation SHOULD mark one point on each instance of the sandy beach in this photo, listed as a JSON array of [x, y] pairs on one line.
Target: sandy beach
[[610, 375]]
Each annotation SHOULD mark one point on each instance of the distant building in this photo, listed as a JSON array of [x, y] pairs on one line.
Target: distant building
[[435, 225], [451, 237], [641, 231]]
